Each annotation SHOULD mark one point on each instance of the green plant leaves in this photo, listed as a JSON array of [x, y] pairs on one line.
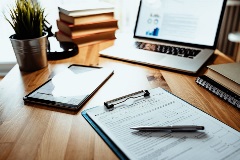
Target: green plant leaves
[[27, 19]]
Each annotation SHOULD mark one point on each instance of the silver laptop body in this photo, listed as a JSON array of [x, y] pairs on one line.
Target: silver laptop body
[[180, 24]]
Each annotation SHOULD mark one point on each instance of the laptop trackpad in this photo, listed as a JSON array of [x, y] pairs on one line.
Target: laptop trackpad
[[148, 56]]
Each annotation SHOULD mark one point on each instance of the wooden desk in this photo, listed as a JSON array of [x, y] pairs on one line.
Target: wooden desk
[[39, 132]]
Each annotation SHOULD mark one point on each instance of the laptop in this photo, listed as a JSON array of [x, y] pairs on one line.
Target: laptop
[[174, 34]]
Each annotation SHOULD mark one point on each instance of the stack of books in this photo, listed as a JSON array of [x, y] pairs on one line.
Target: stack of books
[[86, 23], [223, 80]]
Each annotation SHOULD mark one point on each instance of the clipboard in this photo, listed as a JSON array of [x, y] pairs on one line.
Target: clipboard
[[79, 74], [110, 106], [107, 135], [105, 138]]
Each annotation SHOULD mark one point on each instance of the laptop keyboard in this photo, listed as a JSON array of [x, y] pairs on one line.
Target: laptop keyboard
[[177, 51]]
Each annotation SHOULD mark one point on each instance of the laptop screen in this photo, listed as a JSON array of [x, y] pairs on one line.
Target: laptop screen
[[186, 21]]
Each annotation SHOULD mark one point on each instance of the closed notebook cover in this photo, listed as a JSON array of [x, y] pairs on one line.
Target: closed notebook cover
[[224, 81], [228, 70]]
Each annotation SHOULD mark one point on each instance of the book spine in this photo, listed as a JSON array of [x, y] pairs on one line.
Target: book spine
[[220, 91]]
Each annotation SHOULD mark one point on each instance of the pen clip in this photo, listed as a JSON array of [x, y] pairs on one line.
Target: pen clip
[[110, 104]]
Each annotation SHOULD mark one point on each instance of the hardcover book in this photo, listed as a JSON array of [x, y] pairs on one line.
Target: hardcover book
[[95, 37], [227, 75], [85, 8], [223, 80], [88, 28], [86, 19]]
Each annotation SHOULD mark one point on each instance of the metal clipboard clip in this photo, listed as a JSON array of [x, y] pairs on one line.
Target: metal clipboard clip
[[110, 104]]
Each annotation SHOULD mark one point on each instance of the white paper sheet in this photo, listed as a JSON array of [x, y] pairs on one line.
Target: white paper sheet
[[217, 141]]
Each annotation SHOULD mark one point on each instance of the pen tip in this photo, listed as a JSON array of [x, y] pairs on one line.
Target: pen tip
[[133, 128]]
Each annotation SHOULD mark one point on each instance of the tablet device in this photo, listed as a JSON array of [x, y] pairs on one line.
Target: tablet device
[[70, 88]]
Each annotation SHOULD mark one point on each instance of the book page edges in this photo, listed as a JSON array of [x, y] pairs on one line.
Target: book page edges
[[228, 70], [224, 81]]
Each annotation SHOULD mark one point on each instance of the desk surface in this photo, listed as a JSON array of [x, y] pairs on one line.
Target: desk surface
[[39, 132]]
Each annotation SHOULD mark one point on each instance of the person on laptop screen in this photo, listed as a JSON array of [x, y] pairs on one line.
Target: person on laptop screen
[[174, 34]]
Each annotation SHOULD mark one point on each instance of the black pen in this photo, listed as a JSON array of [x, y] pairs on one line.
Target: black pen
[[181, 128]]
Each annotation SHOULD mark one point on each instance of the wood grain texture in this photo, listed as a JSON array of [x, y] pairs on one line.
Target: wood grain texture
[[31, 131]]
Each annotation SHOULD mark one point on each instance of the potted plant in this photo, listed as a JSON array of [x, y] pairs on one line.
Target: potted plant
[[29, 41]]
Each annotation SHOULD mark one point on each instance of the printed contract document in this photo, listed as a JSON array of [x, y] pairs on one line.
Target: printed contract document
[[161, 108]]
